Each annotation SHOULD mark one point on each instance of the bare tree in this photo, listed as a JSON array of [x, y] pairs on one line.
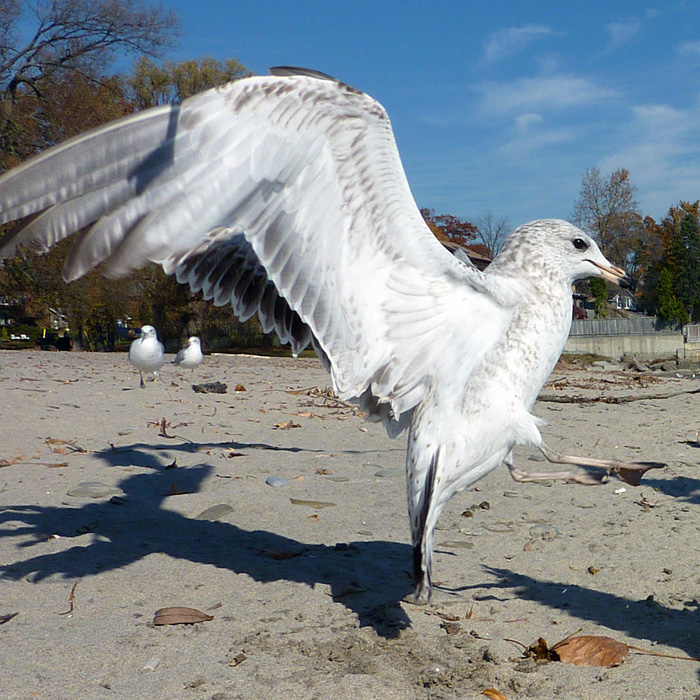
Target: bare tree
[[65, 36], [493, 232], [606, 209]]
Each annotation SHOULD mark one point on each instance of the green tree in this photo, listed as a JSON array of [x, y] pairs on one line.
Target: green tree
[[669, 308], [599, 290]]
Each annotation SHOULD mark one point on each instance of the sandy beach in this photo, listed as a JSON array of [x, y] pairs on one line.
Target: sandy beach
[[281, 514]]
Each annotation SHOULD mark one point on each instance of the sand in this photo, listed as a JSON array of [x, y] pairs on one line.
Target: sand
[[306, 597]]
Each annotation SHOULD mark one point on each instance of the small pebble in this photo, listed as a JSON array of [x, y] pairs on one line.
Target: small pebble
[[384, 473], [544, 532], [215, 512], [152, 665], [94, 489], [276, 481]]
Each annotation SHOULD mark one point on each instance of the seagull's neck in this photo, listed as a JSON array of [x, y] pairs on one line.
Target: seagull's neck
[[535, 339]]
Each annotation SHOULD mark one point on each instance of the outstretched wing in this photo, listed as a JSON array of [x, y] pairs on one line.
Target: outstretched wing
[[282, 195]]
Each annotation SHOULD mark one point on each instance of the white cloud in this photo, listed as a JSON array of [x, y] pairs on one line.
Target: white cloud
[[508, 42], [524, 122], [661, 149], [622, 33], [546, 93], [689, 48]]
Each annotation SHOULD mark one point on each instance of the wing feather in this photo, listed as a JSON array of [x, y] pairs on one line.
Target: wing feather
[[283, 196]]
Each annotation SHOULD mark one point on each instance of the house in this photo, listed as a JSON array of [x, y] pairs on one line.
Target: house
[[624, 300]]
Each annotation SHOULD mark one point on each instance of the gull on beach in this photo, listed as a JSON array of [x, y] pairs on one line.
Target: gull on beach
[[190, 356], [285, 196], [146, 353]]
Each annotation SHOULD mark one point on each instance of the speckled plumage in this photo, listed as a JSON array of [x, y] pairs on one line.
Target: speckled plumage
[[285, 196]]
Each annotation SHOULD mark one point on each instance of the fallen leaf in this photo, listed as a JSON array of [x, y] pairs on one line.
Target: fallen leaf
[[237, 659], [313, 517], [592, 570], [287, 425], [494, 694], [451, 627], [13, 460], [240, 387], [7, 618], [305, 414], [324, 471], [591, 650], [311, 504], [180, 616]]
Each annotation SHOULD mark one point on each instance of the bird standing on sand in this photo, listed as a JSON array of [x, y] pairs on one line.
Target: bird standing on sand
[[285, 196], [190, 356], [146, 353]]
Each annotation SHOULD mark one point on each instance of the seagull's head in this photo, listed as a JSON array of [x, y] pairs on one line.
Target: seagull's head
[[556, 247], [148, 332], [194, 340]]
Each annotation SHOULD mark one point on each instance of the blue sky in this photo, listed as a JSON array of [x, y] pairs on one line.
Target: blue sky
[[501, 106]]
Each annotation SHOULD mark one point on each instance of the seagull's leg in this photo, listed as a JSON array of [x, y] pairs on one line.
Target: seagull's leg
[[422, 525], [630, 472], [570, 476], [143, 386], [155, 377]]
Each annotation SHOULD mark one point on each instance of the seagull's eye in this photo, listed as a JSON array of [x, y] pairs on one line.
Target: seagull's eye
[[580, 244]]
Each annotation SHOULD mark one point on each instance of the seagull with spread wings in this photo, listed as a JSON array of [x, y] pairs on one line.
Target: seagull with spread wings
[[284, 195]]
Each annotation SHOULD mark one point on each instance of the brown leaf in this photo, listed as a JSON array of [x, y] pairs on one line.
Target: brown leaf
[[494, 694], [240, 387], [13, 460], [287, 425], [451, 627], [324, 471], [180, 616], [591, 650]]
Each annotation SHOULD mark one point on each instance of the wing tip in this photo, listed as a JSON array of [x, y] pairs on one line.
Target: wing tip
[[288, 71]]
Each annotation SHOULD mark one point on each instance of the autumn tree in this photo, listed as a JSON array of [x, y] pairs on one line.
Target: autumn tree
[[156, 84], [448, 227], [607, 210]]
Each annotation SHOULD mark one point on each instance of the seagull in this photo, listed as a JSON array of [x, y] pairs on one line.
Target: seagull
[[146, 353], [190, 356], [284, 195]]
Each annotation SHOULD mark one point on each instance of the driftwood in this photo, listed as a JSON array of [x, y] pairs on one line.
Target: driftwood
[[553, 398]]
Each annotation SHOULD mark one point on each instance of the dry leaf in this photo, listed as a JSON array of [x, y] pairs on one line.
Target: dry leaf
[[324, 471], [305, 414], [13, 460], [592, 570], [180, 616], [451, 627], [591, 650], [240, 387], [237, 659], [313, 517], [311, 504], [494, 694], [287, 425]]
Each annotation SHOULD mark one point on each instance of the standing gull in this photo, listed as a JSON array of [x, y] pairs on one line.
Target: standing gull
[[190, 356], [146, 353], [284, 196]]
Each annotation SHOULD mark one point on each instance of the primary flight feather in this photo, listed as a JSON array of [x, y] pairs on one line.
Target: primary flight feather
[[284, 196]]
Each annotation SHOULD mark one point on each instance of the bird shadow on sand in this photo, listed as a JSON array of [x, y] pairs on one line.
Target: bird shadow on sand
[[365, 576], [645, 619]]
